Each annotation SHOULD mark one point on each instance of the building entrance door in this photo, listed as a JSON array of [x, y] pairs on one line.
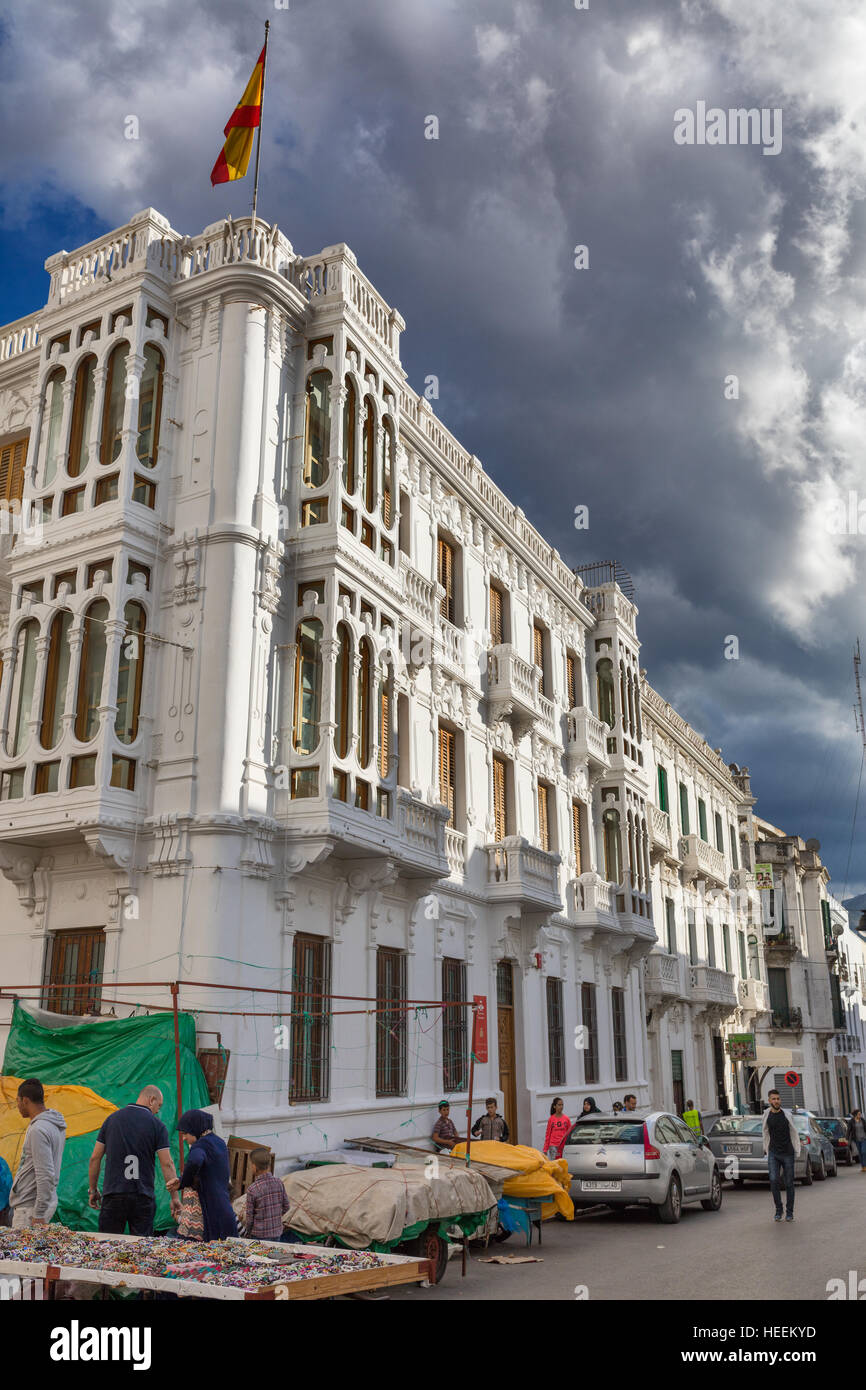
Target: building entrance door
[[677, 1077], [507, 1061]]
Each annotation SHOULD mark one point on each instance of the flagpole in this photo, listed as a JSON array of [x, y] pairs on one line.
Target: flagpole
[[259, 134]]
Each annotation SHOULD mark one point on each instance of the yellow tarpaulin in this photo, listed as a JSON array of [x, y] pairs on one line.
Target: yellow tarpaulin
[[83, 1110], [537, 1176]]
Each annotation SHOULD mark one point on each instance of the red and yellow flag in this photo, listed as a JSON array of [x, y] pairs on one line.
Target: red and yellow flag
[[234, 157]]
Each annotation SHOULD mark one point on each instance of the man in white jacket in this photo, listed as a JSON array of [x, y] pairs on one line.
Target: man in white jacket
[[782, 1147]]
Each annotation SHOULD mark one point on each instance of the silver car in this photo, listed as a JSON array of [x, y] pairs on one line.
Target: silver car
[[641, 1158], [738, 1144]]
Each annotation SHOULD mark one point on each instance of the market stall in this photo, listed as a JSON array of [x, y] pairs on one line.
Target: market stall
[[229, 1269]]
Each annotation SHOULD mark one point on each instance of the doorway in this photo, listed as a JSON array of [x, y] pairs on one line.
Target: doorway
[[677, 1078], [505, 1023]]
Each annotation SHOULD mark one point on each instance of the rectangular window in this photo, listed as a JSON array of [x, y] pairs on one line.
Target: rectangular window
[[711, 943], [405, 529], [12, 784], [73, 976], [663, 789], [45, 778], [741, 937], [589, 1019], [693, 936], [152, 317], [573, 691], [386, 552], [347, 518], [312, 514], [106, 490], [702, 820], [311, 1019], [123, 773], [620, 1058], [105, 567], [391, 1052], [12, 456], [726, 945], [544, 799], [720, 837], [67, 577], [305, 782], [684, 809], [445, 576], [577, 834], [362, 795], [134, 569], [538, 655], [144, 492], [670, 926], [496, 629], [455, 1057], [555, 1032], [82, 772], [72, 502], [735, 859], [500, 797], [447, 770]]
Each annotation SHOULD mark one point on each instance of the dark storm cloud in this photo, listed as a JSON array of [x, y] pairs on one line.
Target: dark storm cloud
[[602, 386]]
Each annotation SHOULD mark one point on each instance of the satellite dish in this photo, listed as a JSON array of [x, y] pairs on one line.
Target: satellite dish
[[813, 844]]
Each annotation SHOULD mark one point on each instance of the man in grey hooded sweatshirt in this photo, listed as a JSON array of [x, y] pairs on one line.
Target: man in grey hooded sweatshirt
[[33, 1198]]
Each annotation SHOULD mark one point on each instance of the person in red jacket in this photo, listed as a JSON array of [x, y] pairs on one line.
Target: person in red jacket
[[558, 1129]]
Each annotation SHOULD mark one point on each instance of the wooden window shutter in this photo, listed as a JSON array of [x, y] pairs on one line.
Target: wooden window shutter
[[499, 804], [543, 816], [571, 677], [538, 647], [384, 731], [446, 770], [446, 579], [576, 812], [495, 617], [12, 458]]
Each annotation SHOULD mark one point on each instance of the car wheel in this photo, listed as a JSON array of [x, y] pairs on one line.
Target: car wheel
[[834, 1171], [430, 1246], [714, 1201], [807, 1176], [821, 1174], [671, 1208]]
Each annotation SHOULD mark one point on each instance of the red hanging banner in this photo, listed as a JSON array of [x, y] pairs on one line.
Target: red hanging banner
[[479, 1027]]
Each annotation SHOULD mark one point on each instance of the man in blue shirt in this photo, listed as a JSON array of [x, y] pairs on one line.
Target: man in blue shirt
[[131, 1140]]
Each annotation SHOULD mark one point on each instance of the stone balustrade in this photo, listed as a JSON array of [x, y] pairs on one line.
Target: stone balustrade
[[522, 873], [663, 976], [587, 739], [701, 860], [455, 848]]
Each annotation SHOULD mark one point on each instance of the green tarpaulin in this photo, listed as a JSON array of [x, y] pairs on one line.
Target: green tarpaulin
[[115, 1058]]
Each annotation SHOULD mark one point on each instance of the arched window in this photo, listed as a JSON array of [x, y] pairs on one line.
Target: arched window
[[91, 671], [53, 419], [25, 681], [317, 438], [149, 407], [343, 692], [612, 847], [364, 703], [388, 452], [369, 482], [604, 688], [130, 671], [82, 415], [308, 685], [113, 405], [384, 714], [350, 424], [56, 680]]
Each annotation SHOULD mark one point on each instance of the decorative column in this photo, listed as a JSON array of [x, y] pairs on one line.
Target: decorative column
[[33, 723], [10, 661]]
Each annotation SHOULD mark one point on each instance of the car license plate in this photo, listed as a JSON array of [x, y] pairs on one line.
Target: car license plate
[[601, 1187], [737, 1148]]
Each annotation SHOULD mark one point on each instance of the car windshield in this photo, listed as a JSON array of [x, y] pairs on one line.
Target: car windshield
[[832, 1126], [607, 1132], [737, 1124], [802, 1122]]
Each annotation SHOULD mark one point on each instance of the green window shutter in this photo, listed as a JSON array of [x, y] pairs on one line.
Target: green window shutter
[[663, 789], [702, 820], [684, 809]]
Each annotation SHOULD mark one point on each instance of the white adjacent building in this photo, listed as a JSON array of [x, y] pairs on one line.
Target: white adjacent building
[[294, 698]]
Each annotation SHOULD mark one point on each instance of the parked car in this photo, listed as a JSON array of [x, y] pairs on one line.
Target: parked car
[[738, 1144], [836, 1131], [648, 1159], [822, 1156]]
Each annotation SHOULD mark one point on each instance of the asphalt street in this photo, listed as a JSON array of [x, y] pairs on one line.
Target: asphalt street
[[736, 1253]]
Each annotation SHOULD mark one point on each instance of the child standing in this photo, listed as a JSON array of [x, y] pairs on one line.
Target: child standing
[[266, 1200], [558, 1129]]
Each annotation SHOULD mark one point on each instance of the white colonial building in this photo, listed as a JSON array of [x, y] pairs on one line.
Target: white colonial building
[[293, 698]]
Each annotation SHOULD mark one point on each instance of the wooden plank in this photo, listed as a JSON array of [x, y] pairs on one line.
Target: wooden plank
[[354, 1281]]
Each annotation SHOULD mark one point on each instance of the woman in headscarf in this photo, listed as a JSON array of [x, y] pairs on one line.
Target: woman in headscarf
[[207, 1168], [589, 1106]]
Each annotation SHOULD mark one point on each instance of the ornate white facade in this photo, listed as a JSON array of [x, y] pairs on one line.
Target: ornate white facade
[[294, 697]]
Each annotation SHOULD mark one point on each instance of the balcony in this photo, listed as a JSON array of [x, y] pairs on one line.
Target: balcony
[[450, 647], [512, 688], [663, 976], [779, 948], [788, 1019], [455, 848], [709, 985], [661, 835], [518, 872], [587, 740], [592, 901], [701, 861], [411, 839], [753, 996]]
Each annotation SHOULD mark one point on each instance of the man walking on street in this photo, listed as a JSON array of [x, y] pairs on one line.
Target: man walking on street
[[131, 1139], [692, 1117], [782, 1147], [33, 1198]]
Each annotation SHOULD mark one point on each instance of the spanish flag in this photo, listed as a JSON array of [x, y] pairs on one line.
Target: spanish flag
[[234, 157]]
